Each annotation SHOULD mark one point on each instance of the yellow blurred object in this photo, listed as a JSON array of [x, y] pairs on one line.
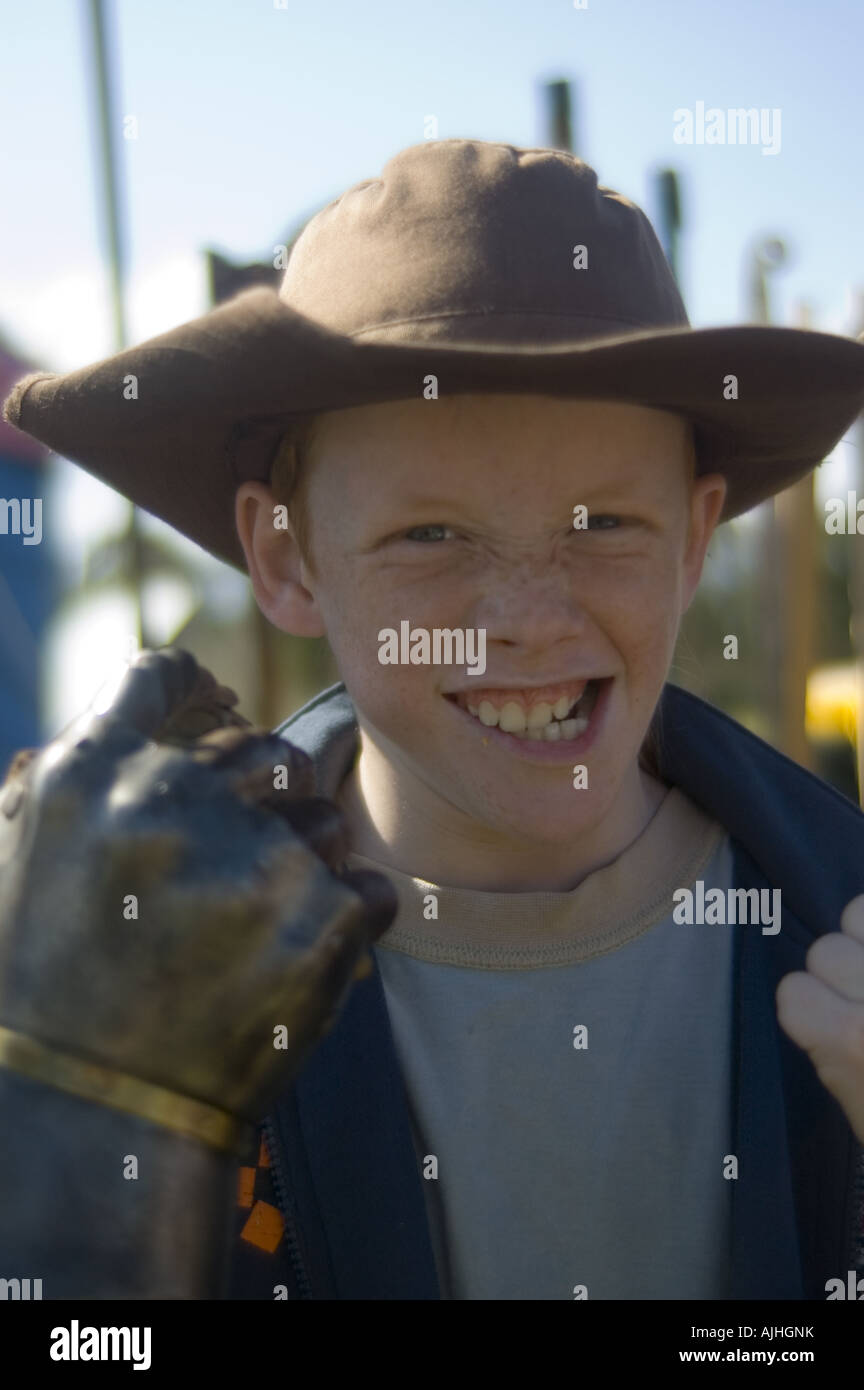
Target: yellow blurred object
[[833, 699]]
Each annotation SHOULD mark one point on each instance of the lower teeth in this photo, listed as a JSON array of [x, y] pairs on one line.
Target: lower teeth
[[551, 733]]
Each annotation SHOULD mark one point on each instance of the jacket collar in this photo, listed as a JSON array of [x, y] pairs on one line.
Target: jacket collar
[[353, 1113], [788, 819]]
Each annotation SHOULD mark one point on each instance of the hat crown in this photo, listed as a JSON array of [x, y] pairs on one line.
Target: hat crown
[[465, 240]]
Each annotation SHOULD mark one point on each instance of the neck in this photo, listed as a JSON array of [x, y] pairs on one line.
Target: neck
[[420, 836]]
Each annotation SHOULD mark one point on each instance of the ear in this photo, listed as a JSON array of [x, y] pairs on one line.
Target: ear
[[279, 574], [706, 505]]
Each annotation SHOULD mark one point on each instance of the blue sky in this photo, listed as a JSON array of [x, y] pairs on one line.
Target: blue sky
[[251, 115]]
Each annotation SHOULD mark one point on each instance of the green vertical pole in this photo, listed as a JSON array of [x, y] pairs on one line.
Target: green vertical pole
[[559, 117], [106, 131]]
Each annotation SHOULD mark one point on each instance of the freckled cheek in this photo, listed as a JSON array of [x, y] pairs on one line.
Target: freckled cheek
[[425, 600], [627, 601], [354, 613], [644, 625]]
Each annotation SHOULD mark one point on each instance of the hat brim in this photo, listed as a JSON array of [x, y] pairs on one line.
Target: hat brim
[[178, 422]]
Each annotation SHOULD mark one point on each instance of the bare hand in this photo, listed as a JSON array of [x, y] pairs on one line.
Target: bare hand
[[822, 1010]]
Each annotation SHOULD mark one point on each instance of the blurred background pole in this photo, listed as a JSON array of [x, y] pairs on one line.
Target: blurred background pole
[[856, 588], [669, 203], [796, 522], [561, 131], [106, 132], [765, 258]]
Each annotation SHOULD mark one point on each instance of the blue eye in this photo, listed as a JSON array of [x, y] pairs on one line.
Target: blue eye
[[412, 535]]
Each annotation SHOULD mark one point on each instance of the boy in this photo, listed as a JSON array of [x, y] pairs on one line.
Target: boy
[[555, 1083]]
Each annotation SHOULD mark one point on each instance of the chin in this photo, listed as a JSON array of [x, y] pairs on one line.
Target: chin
[[554, 820]]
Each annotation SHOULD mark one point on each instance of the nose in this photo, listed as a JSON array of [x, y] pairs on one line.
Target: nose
[[532, 605]]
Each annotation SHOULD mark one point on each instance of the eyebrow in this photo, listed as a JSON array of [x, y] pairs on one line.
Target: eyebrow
[[597, 487], [424, 499]]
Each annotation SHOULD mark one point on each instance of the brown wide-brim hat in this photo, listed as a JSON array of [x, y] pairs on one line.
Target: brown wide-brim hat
[[489, 267]]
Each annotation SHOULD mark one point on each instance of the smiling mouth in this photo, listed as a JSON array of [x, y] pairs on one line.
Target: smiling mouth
[[535, 719]]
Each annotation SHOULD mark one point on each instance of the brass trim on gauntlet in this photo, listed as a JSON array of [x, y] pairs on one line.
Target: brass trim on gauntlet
[[193, 1119]]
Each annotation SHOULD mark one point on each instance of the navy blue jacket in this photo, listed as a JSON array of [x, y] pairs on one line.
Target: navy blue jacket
[[343, 1165]]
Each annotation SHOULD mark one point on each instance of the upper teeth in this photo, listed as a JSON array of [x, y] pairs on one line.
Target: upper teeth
[[542, 720]]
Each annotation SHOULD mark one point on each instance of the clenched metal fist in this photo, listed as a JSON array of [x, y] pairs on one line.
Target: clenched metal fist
[[168, 908]]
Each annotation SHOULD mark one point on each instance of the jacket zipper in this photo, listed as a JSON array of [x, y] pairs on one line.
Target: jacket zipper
[[277, 1172]]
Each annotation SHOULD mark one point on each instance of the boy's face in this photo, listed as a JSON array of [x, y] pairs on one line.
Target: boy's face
[[458, 513]]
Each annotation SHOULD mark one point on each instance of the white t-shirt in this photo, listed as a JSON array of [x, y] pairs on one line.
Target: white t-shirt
[[567, 1062]]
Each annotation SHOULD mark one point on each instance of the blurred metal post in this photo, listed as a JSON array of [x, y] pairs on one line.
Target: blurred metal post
[[796, 522], [132, 551], [669, 202], [765, 258], [559, 117], [856, 590]]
